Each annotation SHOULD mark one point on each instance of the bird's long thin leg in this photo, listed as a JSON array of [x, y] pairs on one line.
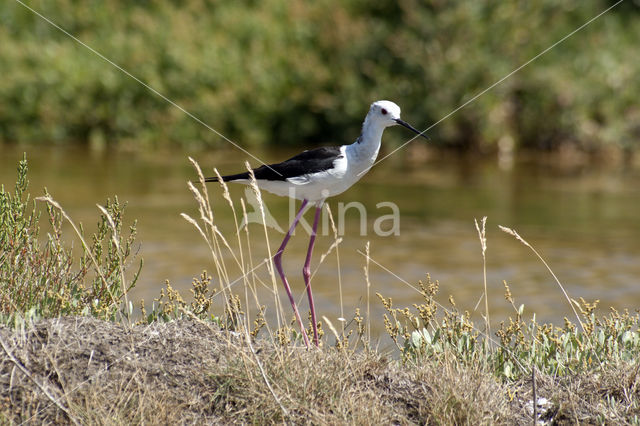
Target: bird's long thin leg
[[277, 259], [306, 272]]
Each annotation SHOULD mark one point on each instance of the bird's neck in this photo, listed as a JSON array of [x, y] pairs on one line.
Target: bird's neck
[[366, 148]]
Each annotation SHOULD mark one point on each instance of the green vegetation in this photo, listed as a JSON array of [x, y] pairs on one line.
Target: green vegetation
[[294, 72], [186, 362], [45, 279], [557, 351]]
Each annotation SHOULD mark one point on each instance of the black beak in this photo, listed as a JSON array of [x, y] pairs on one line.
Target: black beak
[[410, 127]]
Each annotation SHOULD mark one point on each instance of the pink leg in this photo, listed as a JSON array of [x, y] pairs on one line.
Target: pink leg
[[277, 259], [306, 272]]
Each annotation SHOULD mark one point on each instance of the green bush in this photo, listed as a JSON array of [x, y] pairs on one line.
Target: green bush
[[421, 335], [42, 278], [293, 72]]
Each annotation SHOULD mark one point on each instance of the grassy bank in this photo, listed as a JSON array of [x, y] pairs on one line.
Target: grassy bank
[[294, 73], [74, 351], [86, 371]]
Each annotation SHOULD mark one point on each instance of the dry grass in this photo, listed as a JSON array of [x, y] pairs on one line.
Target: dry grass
[[87, 371], [189, 372]]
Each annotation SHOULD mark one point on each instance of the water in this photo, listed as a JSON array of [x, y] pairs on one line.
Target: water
[[583, 220]]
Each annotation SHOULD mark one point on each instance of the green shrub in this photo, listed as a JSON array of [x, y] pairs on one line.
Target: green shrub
[[422, 335], [41, 277], [293, 72]]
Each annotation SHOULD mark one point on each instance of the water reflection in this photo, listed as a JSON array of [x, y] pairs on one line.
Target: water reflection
[[583, 220]]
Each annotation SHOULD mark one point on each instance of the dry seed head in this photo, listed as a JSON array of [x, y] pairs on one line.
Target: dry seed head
[[426, 312], [481, 233], [253, 183], [586, 308], [202, 204], [320, 331], [514, 233], [256, 191], [568, 325], [283, 336], [428, 289], [392, 329], [466, 323], [224, 186], [432, 286], [385, 302], [258, 323], [406, 335], [203, 201], [507, 230], [198, 170], [196, 193], [507, 292], [360, 322]]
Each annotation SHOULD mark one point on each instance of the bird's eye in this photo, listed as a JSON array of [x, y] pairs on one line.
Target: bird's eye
[[383, 111]]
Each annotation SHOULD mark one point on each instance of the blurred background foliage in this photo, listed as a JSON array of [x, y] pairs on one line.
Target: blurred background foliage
[[293, 72]]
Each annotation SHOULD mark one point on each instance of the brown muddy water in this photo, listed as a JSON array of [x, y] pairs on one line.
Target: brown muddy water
[[584, 220]]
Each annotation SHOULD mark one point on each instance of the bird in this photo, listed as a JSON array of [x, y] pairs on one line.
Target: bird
[[317, 174]]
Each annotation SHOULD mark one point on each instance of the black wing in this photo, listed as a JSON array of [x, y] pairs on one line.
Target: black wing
[[307, 162]]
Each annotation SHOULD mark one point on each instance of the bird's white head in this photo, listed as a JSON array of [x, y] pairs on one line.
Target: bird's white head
[[386, 114]]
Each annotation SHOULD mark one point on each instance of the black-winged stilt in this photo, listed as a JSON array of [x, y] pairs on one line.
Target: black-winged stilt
[[317, 174]]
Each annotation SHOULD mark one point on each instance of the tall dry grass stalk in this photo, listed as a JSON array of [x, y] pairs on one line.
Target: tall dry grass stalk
[[219, 246], [566, 295], [281, 319], [483, 244], [217, 243], [241, 257], [368, 282]]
